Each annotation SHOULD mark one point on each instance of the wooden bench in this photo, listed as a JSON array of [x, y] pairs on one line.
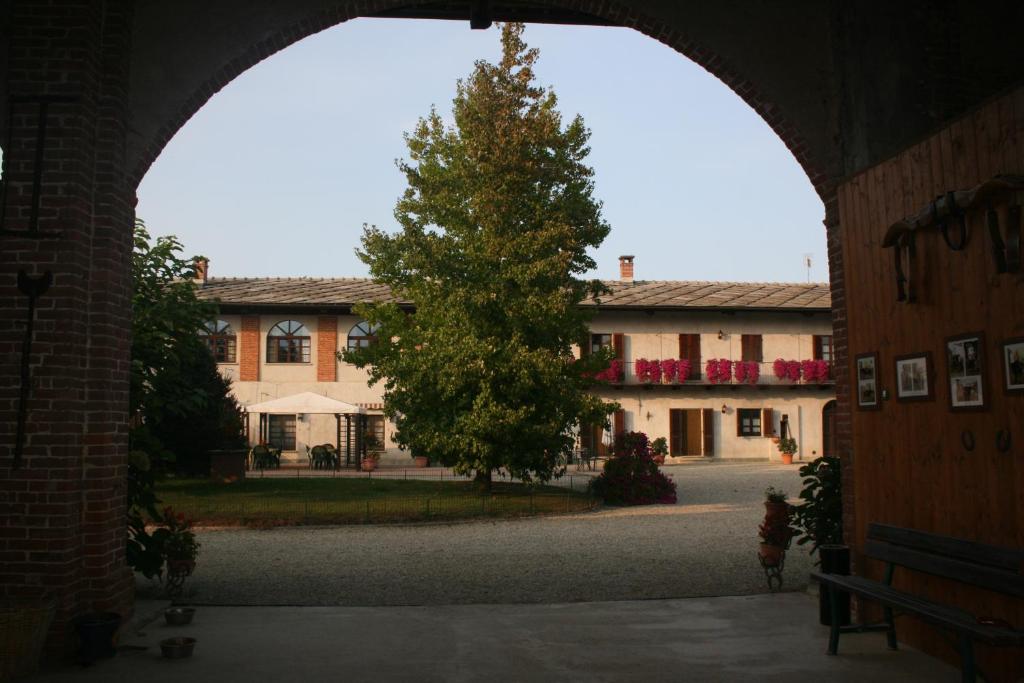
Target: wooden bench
[[1000, 570]]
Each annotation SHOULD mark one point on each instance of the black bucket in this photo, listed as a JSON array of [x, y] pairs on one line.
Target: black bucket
[[96, 635], [835, 559]]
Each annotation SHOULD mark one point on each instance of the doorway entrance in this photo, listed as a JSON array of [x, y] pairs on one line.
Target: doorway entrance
[[686, 432], [828, 429]]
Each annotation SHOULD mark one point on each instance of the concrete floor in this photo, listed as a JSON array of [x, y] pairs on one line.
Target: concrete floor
[[743, 638]]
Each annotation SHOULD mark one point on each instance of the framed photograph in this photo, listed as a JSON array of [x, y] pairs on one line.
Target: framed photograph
[[866, 381], [914, 378], [1013, 364], [965, 360]]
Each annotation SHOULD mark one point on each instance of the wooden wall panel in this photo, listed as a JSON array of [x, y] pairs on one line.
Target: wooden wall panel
[[909, 464]]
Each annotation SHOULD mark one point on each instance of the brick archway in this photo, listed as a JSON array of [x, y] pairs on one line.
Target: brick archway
[[292, 29], [123, 76], [106, 128]]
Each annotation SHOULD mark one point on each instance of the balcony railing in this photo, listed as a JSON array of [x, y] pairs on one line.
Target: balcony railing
[[733, 373]]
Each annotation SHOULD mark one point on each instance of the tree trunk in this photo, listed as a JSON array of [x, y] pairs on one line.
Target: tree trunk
[[483, 480]]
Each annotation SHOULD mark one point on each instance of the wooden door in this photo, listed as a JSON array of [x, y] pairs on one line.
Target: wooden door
[[677, 431], [828, 429], [707, 418]]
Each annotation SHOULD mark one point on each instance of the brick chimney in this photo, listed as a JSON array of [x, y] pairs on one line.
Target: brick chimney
[[626, 268], [202, 269]]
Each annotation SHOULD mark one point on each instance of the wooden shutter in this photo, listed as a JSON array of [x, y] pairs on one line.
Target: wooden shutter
[[817, 347], [619, 424], [739, 422], [675, 436], [752, 347], [585, 346], [707, 418], [689, 348], [619, 345], [767, 422]]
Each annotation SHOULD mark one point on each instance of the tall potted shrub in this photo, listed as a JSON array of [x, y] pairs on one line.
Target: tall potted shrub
[[787, 447], [819, 521]]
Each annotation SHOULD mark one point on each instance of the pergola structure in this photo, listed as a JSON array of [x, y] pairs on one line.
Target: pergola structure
[[308, 403]]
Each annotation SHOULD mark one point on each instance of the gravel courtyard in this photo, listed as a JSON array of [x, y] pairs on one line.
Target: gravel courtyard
[[706, 545]]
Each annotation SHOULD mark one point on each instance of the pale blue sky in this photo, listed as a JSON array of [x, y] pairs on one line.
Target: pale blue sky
[[278, 172]]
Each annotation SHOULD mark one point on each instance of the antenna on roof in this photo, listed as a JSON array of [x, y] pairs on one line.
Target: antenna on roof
[[807, 264]]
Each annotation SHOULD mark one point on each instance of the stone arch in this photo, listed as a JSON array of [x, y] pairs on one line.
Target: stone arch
[[283, 31]]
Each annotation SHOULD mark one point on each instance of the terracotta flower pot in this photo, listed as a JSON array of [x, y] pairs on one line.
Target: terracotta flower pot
[[369, 464], [421, 461], [771, 554], [776, 510], [787, 458]]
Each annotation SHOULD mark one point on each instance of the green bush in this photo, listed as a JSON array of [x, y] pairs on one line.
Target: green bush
[[819, 520]]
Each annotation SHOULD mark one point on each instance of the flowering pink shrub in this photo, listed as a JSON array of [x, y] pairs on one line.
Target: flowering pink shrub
[[824, 370], [613, 373], [741, 371], [642, 367], [753, 372], [724, 370], [654, 371], [793, 370], [809, 370], [711, 370], [779, 368], [668, 369], [631, 477], [683, 367], [719, 370]]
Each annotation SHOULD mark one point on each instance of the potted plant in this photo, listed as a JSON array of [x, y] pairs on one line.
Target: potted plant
[[787, 447], [421, 460], [775, 532], [659, 449], [179, 548], [372, 452], [819, 521]]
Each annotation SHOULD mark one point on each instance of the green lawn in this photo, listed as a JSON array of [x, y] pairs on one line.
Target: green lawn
[[281, 502]]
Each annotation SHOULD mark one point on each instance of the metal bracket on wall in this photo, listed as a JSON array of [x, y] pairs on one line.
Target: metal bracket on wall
[[43, 103], [1005, 251], [954, 214], [948, 213], [33, 288], [902, 242]]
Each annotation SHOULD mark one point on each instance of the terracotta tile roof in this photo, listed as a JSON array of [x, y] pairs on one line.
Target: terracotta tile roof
[[296, 291], [671, 294], [731, 295]]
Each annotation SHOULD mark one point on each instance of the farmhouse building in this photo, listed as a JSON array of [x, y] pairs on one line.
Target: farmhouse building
[[717, 368]]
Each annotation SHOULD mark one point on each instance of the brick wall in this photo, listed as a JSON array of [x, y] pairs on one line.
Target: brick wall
[[326, 347], [63, 508], [249, 349]]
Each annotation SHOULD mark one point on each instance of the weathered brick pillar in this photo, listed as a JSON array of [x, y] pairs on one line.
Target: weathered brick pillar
[[249, 349], [63, 509], [840, 340], [326, 348]]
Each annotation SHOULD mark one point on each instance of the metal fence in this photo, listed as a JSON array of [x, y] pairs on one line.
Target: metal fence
[[423, 507], [576, 477]]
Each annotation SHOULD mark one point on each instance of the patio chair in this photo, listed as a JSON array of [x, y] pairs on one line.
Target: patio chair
[[260, 457]]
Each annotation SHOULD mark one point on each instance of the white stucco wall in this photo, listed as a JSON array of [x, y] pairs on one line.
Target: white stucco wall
[[646, 335]]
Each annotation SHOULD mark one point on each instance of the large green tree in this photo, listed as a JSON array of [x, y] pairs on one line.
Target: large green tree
[[495, 226], [180, 406]]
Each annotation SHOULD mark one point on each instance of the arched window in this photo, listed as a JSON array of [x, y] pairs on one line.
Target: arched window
[[288, 342], [362, 334], [219, 336]]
